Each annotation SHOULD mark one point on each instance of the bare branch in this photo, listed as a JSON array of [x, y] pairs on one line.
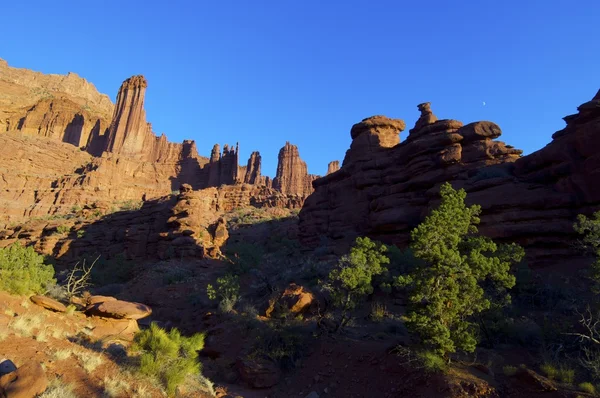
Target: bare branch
[[79, 278]]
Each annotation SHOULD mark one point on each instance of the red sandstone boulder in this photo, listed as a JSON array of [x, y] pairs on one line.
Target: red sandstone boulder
[[104, 328], [28, 381], [119, 310], [294, 300], [48, 303]]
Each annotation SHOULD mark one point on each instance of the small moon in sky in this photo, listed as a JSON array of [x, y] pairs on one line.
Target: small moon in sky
[[483, 103]]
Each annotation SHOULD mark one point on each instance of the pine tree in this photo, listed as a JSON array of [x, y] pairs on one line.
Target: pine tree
[[461, 275]]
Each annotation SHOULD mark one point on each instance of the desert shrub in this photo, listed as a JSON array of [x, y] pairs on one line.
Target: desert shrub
[[549, 370], [176, 275], [168, 356], [351, 280], [378, 312], [129, 205], [590, 229], [281, 343], [462, 275], [62, 230], [80, 233], [587, 387], [23, 271], [244, 256], [566, 375], [432, 362], [509, 370], [227, 291], [282, 245]]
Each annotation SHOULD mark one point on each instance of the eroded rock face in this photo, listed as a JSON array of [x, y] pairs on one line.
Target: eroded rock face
[[190, 224], [292, 173], [332, 167], [252, 175], [48, 120], [385, 189]]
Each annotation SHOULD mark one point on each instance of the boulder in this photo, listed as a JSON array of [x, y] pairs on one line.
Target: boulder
[[295, 299], [258, 373], [91, 300], [27, 381], [48, 303], [119, 309], [109, 328]]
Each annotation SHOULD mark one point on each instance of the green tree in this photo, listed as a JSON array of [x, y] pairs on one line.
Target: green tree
[[462, 274], [168, 356], [590, 229], [23, 271], [351, 280]]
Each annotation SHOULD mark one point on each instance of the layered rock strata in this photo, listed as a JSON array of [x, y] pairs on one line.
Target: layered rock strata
[[385, 188]]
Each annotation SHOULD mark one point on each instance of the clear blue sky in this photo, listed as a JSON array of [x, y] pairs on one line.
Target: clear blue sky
[[262, 72]]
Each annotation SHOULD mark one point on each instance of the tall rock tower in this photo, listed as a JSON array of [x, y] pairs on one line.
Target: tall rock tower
[[253, 169], [129, 131], [292, 173]]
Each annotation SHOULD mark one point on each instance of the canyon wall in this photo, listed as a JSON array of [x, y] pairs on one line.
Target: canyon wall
[[188, 224], [386, 188], [125, 160]]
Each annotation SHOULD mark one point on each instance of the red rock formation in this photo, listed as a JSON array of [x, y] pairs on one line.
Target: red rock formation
[[129, 130], [222, 168], [129, 161], [189, 224], [252, 175], [333, 166], [384, 191], [292, 174]]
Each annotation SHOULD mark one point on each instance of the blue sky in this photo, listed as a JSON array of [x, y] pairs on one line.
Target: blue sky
[[265, 72]]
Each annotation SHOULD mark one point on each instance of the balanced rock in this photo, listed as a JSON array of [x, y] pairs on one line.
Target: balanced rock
[[48, 303], [27, 381], [119, 310]]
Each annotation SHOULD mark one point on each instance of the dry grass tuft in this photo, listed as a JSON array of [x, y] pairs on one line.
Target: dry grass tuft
[[89, 360], [58, 389], [61, 355], [115, 387], [25, 324]]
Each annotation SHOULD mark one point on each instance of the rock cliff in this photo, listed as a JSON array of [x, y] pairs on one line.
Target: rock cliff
[[188, 224], [385, 188], [128, 161], [292, 173]]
